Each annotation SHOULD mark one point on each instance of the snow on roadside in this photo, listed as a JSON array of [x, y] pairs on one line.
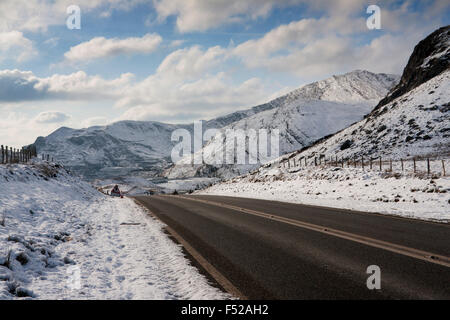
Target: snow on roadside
[[57, 227], [349, 188]]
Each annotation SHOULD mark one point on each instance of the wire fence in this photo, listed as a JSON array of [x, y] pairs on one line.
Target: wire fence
[[412, 165]]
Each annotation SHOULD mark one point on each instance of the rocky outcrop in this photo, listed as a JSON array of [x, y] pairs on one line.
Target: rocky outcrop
[[430, 57]]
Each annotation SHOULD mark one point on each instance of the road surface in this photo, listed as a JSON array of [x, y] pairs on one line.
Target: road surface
[[275, 250]]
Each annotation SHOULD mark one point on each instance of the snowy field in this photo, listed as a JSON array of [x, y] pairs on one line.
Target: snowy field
[[372, 191], [61, 239]]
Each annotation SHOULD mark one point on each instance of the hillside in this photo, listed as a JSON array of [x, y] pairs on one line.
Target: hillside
[[303, 116], [430, 57], [411, 122], [416, 123]]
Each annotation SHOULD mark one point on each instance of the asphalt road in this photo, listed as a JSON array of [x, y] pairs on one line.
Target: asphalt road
[[275, 250]]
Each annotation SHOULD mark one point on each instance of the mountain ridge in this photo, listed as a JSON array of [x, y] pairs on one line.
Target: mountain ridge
[[144, 147], [303, 116]]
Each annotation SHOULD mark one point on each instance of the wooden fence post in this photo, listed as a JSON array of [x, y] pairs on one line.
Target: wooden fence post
[[16, 155], [401, 160], [390, 165], [414, 161], [428, 166], [443, 167]]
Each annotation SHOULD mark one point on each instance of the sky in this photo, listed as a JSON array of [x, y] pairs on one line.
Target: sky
[[177, 61]]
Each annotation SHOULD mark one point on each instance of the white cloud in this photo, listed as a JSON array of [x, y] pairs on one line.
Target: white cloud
[[38, 15], [80, 86], [52, 42], [318, 47], [101, 47], [191, 62], [187, 86], [17, 86], [176, 43], [52, 117], [14, 45], [201, 15], [298, 33], [169, 99], [94, 121], [19, 129]]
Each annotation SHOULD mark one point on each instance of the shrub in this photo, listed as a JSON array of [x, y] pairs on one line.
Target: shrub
[[347, 144]]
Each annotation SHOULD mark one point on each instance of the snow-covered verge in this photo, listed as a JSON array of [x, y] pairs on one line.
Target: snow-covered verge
[[406, 195], [61, 239]]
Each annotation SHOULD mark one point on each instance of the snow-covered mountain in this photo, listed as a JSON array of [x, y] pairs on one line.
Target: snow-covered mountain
[[302, 116], [143, 148], [412, 121], [120, 149]]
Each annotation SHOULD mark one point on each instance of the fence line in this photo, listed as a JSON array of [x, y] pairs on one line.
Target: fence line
[[47, 157], [13, 155], [414, 165]]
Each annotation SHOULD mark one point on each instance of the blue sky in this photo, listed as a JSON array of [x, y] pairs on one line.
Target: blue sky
[[183, 60]]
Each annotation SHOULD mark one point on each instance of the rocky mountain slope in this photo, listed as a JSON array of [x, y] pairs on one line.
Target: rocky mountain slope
[[303, 116], [430, 58], [120, 149]]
